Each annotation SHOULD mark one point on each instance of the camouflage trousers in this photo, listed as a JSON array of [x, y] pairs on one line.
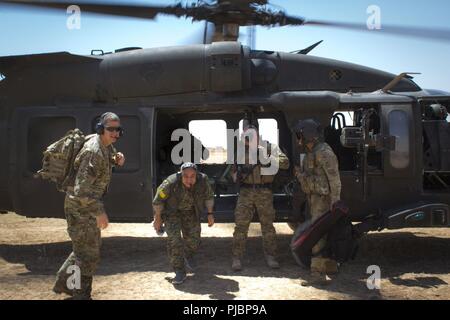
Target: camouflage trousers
[[319, 205], [183, 236], [85, 236], [250, 200]]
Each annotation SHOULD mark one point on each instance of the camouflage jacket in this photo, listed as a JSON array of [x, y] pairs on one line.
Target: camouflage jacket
[[275, 155], [173, 196], [93, 166], [321, 173]]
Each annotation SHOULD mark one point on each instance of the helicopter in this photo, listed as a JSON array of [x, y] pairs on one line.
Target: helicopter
[[393, 154]]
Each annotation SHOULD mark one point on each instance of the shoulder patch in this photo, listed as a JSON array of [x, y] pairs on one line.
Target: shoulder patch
[[162, 194]]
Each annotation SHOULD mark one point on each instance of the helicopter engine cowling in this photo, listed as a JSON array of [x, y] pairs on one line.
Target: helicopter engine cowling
[[220, 67]]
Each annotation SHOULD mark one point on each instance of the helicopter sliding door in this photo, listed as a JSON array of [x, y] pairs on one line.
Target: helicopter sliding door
[[129, 195]]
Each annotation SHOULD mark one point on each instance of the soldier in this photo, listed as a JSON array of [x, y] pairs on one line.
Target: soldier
[[319, 179], [83, 205], [256, 193], [178, 203]]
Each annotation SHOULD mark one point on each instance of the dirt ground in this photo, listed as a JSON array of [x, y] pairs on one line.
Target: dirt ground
[[415, 264]]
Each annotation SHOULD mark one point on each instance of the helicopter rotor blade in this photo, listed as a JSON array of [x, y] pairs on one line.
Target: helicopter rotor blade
[[414, 32], [224, 12], [121, 10]]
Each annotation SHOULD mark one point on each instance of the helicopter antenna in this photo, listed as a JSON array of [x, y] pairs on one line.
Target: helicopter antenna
[[307, 50], [396, 80]]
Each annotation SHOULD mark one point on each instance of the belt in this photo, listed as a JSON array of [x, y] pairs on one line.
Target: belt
[[257, 186]]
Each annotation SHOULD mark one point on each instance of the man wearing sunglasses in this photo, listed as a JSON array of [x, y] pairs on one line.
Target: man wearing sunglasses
[[83, 206]]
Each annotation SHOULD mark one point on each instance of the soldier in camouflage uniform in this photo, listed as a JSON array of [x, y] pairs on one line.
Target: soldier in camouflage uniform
[[319, 179], [179, 202], [256, 193], [83, 205]]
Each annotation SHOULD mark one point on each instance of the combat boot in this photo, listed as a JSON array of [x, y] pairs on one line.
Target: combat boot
[[180, 276], [190, 264], [272, 262], [315, 279], [84, 293], [236, 264], [62, 276], [331, 267]]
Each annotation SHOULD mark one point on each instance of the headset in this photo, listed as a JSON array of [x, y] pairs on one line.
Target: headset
[[100, 126]]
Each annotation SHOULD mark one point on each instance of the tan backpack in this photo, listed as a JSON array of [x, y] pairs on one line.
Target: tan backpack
[[59, 157]]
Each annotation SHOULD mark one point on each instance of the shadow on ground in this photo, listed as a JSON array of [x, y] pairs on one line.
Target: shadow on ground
[[395, 253]]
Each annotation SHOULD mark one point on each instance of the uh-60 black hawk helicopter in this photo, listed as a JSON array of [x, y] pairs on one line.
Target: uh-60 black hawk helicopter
[[394, 156]]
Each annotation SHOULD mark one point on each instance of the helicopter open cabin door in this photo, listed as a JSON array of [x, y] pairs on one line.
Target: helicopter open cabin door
[[129, 194]]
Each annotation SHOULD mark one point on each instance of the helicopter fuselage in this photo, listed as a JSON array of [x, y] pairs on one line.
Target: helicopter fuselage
[[155, 91]]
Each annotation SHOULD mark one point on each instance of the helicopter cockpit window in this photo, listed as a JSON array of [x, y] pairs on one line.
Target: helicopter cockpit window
[[213, 137], [399, 128]]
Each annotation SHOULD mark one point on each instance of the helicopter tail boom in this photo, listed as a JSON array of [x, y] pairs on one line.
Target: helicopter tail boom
[[9, 64]]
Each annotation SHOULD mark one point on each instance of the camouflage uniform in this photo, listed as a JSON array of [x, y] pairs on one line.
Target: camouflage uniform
[[181, 213], [321, 182], [256, 193], [83, 203]]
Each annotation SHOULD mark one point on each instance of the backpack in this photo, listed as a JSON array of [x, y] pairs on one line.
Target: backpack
[[59, 157], [342, 244]]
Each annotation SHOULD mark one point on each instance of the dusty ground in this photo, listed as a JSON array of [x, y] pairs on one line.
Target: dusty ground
[[415, 264]]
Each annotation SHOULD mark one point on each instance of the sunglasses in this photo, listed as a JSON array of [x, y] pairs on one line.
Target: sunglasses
[[112, 129]]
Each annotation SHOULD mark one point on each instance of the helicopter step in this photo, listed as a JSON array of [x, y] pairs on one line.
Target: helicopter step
[[419, 215]]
